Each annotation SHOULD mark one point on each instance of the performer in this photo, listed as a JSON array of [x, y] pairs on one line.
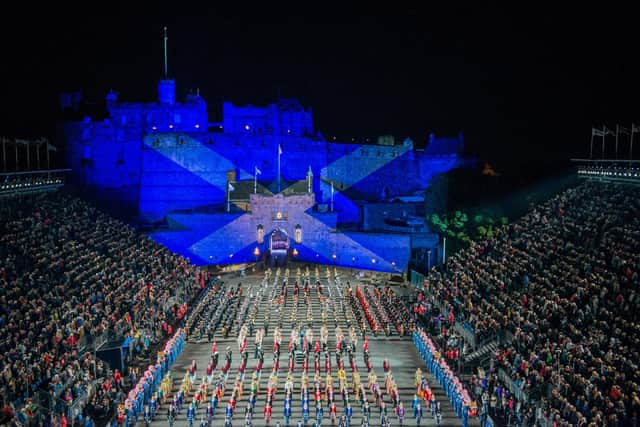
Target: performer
[[400, 412], [287, 412], [385, 365], [267, 412], [333, 411]]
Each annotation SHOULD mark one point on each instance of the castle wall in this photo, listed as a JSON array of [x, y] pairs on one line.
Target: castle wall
[[161, 158]]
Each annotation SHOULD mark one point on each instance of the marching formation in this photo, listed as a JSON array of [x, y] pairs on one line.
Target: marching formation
[[320, 370]]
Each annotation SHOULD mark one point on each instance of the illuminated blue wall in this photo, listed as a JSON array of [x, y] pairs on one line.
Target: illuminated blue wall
[[166, 157]]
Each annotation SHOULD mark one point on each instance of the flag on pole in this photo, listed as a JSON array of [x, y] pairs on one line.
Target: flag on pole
[[635, 128], [596, 132], [624, 130], [332, 188], [279, 149], [258, 171], [310, 171], [231, 187], [608, 131], [51, 147]]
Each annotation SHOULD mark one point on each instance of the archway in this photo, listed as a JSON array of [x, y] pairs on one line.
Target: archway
[[279, 243]]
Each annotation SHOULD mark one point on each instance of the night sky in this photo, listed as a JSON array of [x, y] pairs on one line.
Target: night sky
[[525, 85]]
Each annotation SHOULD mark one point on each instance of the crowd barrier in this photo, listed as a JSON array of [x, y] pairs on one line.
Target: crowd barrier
[[463, 406], [513, 386]]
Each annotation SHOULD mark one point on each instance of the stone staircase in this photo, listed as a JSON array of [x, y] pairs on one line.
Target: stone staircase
[[484, 352]]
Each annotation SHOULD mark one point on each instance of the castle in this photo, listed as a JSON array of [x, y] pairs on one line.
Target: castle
[[226, 187]]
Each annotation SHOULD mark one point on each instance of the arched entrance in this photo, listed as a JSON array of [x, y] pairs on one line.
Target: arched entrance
[[279, 243]]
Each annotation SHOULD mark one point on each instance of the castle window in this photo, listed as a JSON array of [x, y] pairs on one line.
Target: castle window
[[180, 141], [298, 233], [260, 233]]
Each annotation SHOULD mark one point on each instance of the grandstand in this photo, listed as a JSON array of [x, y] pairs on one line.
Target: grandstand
[[555, 295], [536, 325]]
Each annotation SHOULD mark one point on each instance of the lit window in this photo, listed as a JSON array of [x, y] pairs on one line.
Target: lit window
[[170, 126], [247, 127], [197, 126], [154, 128]]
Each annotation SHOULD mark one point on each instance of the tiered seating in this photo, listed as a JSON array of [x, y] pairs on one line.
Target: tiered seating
[[563, 280], [69, 275]]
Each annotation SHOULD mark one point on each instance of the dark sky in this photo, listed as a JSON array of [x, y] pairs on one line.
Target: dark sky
[[525, 85]]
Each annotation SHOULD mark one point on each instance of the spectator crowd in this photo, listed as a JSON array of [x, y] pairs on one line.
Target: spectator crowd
[[70, 278], [560, 289]]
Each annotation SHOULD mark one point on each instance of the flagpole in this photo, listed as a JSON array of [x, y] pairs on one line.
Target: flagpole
[[444, 249], [4, 154], [331, 196], [604, 133], [48, 168], [28, 159], [228, 196], [255, 181], [617, 127], [165, 52], [631, 145], [591, 150], [38, 154], [279, 151]]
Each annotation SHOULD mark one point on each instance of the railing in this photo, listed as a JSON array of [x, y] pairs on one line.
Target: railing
[[12, 183], [467, 335], [76, 408], [519, 393], [608, 169], [417, 279]]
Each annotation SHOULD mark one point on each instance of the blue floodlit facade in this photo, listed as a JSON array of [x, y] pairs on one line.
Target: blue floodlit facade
[[356, 205]]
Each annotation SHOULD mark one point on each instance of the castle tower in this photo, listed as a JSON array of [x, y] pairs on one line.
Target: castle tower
[[166, 86], [167, 91]]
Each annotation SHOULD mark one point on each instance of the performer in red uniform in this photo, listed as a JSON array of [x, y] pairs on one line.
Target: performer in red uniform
[[333, 410], [267, 412]]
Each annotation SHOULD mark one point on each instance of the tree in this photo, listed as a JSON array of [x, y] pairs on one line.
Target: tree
[[457, 227]]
